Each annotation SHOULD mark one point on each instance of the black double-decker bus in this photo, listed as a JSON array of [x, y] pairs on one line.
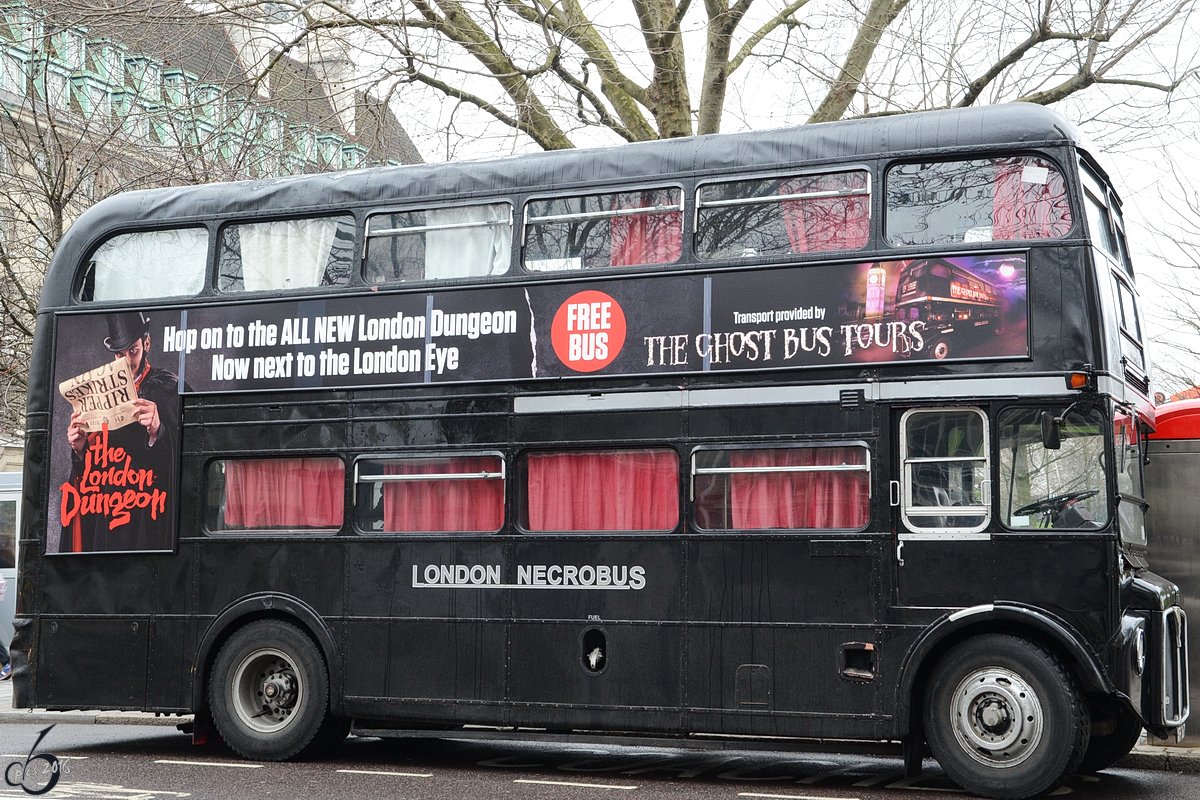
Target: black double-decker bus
[[637, 441]]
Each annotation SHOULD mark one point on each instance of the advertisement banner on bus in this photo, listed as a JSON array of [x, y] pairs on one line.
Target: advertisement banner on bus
[[960, 308], [115, 444]]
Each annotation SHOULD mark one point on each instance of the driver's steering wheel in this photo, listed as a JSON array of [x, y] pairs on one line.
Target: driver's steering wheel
[[1053, 505]]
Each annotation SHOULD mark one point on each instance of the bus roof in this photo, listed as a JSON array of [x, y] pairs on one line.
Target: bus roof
[[1177, 420], [1014, 125]]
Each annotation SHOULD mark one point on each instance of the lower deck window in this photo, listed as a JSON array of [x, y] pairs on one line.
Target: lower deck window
[[602, 490], [431, 495], [276, 494], [790, 488]]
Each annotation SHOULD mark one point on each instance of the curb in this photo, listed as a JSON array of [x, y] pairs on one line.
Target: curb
[[43, 717], [1173, 759]]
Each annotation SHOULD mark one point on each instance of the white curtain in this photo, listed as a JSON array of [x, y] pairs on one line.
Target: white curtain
[[467, 252], [135, 266], [288, 254]]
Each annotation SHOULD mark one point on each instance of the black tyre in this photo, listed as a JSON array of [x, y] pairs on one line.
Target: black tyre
[[1005, 718], [269, 692], [1107, 749]]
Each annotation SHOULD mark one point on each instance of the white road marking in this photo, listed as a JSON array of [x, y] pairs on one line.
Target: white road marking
[[234, 764], [793, 796], [102, 791], [396, 774], [578, 785], [60, 758]]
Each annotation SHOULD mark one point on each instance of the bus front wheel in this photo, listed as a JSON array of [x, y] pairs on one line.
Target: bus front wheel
[[269, 692], [1005, 718]]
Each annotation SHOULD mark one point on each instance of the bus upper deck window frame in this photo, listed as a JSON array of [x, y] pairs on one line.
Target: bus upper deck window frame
[[426, 227], [1096, 212], [555, 265], [235, 283], [700, 205], [980, 234], [85, 292]]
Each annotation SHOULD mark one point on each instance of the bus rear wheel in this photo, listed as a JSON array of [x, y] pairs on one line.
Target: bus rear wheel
[[1005, 718], [269, 692]]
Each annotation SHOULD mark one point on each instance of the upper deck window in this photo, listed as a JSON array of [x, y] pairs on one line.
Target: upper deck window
[[792, 214], [147, 264], [439, 243], [1100, 224], [604, 230], [991, 199], [285, 254]]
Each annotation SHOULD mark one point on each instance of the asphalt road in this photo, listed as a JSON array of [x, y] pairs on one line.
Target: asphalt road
[[158, 763]]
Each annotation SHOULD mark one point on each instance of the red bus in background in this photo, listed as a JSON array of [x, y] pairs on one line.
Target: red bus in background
[[1172, 477]]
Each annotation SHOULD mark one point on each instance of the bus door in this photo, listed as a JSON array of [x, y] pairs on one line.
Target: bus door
[[942, 507]]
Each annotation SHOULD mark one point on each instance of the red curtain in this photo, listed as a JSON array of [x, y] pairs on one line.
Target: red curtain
[[284, 493], [444, 504], [646, 238], [630, 490], [799, 500], [1023, 210], [824, 223]]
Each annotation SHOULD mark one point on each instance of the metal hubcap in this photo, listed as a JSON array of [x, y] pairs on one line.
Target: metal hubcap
[[266, 690], [996, 717]]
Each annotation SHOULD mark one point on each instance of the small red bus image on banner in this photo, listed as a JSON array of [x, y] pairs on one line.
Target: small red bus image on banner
[[588, 331]]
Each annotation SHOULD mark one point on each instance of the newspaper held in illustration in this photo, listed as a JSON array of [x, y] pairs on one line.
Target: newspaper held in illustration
[[103, 395]]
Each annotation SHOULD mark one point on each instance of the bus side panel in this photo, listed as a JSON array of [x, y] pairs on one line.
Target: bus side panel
[[1068, 576], [174, 632], [309, 570], [772, 623], [411, 638], [635, 620], [92, 662]]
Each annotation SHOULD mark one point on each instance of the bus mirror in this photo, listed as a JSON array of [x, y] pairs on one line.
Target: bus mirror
[[1050, 439]]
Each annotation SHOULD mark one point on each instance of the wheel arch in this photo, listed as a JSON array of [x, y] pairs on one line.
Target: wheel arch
[[1032, 624], [267, 605]]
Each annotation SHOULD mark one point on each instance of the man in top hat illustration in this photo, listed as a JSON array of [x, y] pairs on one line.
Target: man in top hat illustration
[[152, 443]]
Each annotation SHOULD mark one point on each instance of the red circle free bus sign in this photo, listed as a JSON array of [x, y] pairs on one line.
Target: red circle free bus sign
[[588, 331]]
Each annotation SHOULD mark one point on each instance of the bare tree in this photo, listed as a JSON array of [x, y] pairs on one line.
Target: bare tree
[[553, 69], [1178, 319], [75, 129], [56, 162]]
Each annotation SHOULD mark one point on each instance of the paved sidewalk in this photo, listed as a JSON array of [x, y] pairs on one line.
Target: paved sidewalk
[[1144, 756]]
